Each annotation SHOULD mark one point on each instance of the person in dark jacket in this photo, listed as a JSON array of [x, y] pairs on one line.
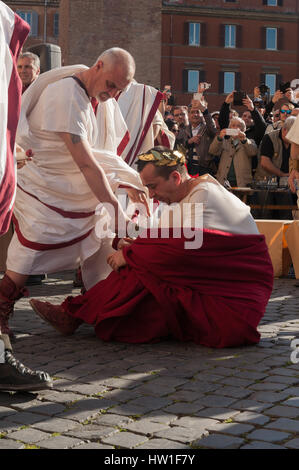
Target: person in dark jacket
[[197, 137]]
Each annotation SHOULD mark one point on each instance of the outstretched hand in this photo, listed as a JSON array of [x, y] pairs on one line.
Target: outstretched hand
[[138, 196], [116, 260]]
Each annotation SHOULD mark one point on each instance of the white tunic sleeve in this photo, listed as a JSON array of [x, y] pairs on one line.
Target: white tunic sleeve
[[293, 134], [65, 108]]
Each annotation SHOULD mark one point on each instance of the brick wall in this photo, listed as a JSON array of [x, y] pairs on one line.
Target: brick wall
[[87, 27], [249, 59]]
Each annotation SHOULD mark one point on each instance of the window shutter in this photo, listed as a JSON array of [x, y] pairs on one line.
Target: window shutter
[[203, 34], [221, 82], [239, 36], [56, 24], [222, 35], [265, 2], [279, 80], [263, 38], [186, 33], [34, 26], [238, 81], [202, 76], [280, 3], [262, 78], [185, 80], [280, 39]]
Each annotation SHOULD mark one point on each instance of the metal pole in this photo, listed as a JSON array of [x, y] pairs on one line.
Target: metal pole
[[45, 22]]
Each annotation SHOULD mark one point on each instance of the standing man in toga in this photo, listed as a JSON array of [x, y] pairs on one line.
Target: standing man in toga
[[58, 192]]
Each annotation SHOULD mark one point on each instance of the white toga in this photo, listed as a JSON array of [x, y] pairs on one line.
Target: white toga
[[47, 237], [221, 210]]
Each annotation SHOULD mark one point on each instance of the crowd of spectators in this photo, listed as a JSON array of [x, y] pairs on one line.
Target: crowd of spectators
[[243, 144]]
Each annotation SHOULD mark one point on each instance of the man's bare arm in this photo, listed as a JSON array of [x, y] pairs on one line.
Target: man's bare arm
[[91, 170], [267, 164], [295, 151]]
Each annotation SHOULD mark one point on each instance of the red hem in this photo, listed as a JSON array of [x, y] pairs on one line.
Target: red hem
[[44, 246]]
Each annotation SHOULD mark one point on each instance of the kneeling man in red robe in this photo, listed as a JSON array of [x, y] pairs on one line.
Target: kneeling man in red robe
[[201, 274]]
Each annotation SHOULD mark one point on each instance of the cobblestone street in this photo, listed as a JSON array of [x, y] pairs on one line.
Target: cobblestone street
[[161, 396]]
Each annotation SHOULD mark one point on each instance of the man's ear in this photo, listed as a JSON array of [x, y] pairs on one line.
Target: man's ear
[[99, 64], [176, 177]]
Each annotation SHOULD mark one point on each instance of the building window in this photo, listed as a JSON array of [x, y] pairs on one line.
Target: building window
[[270, 81], [230, 36], [229, 82], [271, 39], [31, 17], [193, 81], [194, 34], [272, 3], [56, 25]]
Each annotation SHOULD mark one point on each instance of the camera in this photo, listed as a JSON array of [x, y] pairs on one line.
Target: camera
[[239, 96], [284, 86], [234, 132], [264, 89], [205, 85]]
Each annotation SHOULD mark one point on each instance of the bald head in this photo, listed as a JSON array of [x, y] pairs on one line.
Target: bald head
[[120, 58], [111, 74]]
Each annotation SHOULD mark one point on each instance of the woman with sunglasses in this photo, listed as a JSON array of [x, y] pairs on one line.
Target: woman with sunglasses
[[281, 115]]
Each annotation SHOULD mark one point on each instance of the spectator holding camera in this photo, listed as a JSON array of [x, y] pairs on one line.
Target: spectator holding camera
[[197, 137], [255, 123], [235, 151]]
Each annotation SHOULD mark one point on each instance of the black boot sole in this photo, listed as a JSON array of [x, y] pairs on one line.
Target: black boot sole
[[25, 387]]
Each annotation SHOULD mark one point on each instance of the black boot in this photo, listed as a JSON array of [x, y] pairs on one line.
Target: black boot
[[14, 376]]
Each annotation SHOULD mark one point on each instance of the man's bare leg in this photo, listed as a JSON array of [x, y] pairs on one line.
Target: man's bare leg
[[18, 279]]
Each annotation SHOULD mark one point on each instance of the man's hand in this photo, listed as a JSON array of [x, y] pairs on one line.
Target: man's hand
[[294, 175], [194, 140], [22, 156], [222, 133], [126, 241], [241, 136], [248, 103], [256, 92], [116, 260], [230, 97], [289, 94], [202, 105], [138, 197], [277, 96]]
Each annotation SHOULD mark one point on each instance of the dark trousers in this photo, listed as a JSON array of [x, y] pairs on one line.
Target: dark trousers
[[264, 198]]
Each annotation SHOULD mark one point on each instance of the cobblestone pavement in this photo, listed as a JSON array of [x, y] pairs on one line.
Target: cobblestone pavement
[[162, 396]]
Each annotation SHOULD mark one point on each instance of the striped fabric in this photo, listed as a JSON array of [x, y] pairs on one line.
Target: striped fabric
[[13, 32]]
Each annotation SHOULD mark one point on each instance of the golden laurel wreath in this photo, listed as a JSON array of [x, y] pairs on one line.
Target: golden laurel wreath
[[165, 158]]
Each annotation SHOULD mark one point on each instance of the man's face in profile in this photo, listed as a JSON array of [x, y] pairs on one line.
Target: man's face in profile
[[27, 71], [110, 81], [159, 188]]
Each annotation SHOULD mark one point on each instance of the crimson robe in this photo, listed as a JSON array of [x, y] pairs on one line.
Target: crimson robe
[[214, 295]]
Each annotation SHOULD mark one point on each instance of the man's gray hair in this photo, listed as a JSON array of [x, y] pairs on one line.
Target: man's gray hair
[[120, 57], [33, 57], [240, 121], [289, 122]]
